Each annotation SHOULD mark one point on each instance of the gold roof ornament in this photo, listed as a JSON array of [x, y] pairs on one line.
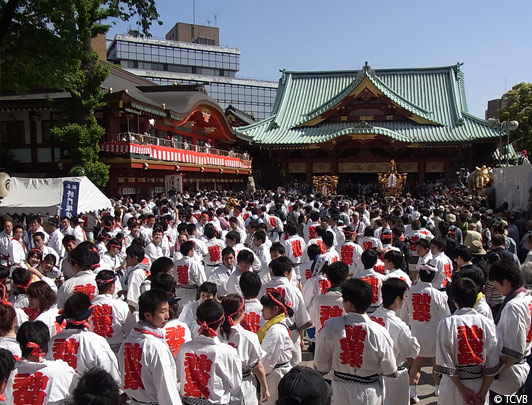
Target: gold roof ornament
[[392, 183]]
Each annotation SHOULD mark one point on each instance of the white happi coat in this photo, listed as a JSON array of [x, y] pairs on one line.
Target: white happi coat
[[233, 283], [329, 257], [250, 351], [466, 344], [263, 253], [354, 344], [84, 281], [350, 254], [326, 306], [445, 270], [83, 350], [11, 344], [52, 381], [175, 334], [21, 317], [295, 248], [108, 262], [136, 278], [147, 367], [426, 306], [398, 273], [111, 319], [56, 242], [5, 241], [293, 295], [220, 277], [189, 275], [279, 347], [48, 318], [405, 346], [305, 271], [375, 280], [209, 369], [155, 251], [188, 316], [309, 230], [514, 333], [214, 255], [314, 287], [301, 319], [252, 320], [16, 252], [483, 308]]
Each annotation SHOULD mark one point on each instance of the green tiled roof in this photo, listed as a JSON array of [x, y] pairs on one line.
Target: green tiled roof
[[435, 94]]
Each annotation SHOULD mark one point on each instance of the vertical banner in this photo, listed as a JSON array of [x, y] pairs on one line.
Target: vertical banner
[[69, 202], [173, 183]]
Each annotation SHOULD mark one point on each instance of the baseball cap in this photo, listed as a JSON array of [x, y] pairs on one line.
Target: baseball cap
[[304, 385]]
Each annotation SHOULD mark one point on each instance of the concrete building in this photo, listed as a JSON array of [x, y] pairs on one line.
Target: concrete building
[[191, 54]]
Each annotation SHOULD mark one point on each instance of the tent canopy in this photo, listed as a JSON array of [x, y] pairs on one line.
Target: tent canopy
[[44, 196]]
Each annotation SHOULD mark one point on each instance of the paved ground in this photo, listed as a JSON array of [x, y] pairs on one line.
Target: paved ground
[[425, 389]]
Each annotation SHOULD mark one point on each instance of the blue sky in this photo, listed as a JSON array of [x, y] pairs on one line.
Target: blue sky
[[492, 38]]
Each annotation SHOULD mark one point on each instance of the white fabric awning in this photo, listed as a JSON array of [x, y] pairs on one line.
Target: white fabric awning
[[44, 196]]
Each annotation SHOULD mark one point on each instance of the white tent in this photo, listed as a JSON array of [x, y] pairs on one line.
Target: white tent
[[44, 196]]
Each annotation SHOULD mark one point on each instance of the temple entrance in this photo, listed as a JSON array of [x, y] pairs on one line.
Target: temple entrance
[[353, 184]]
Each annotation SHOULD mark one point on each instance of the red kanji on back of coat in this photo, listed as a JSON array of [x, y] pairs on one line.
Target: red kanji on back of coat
[[30, 388], [374, 284], [346, 254], [470, 345], [102, 319], [324, 285], [197, 375], [175, 337], [66, 350], [380, 321], [353, 346], [87, 289], [328, 312], [250, 322], [421, 307], [132, 366], [296, 248], [215, 253], [182, 274]]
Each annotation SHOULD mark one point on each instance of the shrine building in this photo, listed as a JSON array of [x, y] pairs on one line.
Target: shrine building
[[352, 123]]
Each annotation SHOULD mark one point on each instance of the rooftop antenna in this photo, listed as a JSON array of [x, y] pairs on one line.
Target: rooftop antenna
[[208, 22], [215, 19], [194, 12]]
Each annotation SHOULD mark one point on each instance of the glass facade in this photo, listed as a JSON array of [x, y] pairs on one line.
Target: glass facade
[[174, 57], [256, 100]]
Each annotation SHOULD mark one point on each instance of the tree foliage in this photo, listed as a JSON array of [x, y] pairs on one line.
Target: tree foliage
[[517, 105], [83, 143], [46, 44]]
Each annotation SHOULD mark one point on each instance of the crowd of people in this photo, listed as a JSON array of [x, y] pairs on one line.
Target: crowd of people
[[213, 298]]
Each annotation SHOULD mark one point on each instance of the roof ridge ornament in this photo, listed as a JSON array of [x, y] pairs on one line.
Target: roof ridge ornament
[[366, 69]]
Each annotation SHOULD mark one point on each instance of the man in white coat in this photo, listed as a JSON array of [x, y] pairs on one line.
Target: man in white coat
[[357, 350], [466, 350], [406, 346], [146, 363]]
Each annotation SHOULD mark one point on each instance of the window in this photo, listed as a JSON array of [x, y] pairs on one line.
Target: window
[[46, 127], [12, 131]]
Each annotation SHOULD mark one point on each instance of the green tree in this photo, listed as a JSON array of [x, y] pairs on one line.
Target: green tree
[[47, 44], [517, 105]]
